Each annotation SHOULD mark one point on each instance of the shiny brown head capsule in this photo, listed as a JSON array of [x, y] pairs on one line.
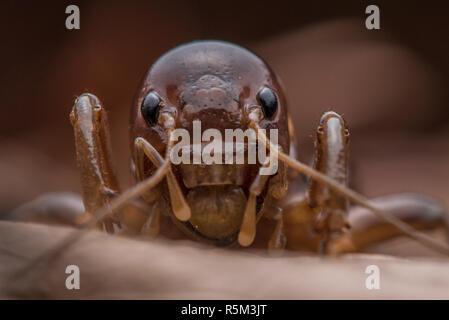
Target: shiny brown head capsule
[[218, 84]]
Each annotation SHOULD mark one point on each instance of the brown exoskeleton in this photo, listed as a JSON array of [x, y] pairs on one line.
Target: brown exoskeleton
[[228, 87]]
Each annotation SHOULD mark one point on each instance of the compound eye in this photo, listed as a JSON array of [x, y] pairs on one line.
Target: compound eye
[[150, 108], [268, 101]]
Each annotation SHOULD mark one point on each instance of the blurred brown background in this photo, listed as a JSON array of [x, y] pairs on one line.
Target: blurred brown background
[[391, 84]]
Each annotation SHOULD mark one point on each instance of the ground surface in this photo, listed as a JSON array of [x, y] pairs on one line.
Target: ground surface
[[117, 267]]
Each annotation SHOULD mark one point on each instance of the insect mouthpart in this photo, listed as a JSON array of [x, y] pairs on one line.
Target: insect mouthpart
[[217, 211], [216, 191], [226, 164]]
